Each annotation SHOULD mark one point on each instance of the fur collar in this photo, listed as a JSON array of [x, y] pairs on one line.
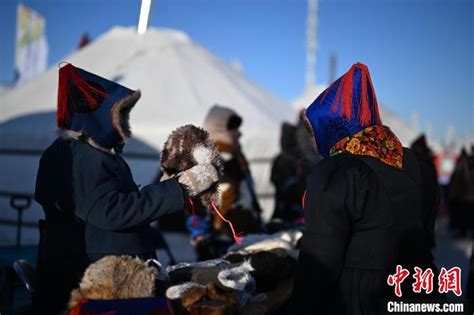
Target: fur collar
[[71, 134]]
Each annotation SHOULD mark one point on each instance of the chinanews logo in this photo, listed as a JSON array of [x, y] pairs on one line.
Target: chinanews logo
[[448, 280]]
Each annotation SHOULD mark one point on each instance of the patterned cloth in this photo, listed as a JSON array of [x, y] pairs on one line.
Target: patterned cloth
[[376, 141]]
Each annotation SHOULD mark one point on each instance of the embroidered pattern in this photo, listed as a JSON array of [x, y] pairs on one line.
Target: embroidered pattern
[[377, 141]]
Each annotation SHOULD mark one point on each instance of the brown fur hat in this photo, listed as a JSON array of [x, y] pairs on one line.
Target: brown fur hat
[[116, 277], [188, 146]]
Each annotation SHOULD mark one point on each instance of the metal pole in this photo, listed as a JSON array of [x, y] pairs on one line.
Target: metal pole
[[144, 17], [18, 228]]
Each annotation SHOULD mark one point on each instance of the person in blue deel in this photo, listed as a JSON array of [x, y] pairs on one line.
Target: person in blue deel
[[91, 203]]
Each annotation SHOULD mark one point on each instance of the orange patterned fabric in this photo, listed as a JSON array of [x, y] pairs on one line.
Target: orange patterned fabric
[[376, 141]]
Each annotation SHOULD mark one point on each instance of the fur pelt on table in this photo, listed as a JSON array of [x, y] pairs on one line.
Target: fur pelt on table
[[115, 277]]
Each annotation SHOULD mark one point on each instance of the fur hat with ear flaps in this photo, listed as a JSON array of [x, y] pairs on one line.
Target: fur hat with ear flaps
[[93, 108], [186, 147]]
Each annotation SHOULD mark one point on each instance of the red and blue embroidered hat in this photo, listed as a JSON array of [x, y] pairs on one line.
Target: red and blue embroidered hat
[[94, 107], [347, 106]]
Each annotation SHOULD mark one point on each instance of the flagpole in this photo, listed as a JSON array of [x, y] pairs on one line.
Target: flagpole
[[144, 17]]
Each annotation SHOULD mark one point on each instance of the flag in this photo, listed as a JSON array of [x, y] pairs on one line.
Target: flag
[[31, 56]]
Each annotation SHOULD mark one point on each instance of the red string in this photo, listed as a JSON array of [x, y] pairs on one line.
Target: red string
[[66, 74], [238, 239], [170, 308], [193, 211], [302, 199]]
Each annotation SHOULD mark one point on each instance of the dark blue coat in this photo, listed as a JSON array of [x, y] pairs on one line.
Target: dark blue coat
[[363, 217], [92, 208]]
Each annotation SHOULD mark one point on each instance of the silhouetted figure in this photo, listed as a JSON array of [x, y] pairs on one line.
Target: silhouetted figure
[[92, 206], [461, 194], [370, 204], [288, 175]]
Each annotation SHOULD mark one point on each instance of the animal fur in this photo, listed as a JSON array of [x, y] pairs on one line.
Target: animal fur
[[218, 262], [120, 115], [217, 294], [269, 267], [287, 240], [190, 296], [71, 134], [186, 147], [237, 278], [116, 277]]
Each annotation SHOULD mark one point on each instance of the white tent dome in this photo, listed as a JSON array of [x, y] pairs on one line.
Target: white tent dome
[[179, 80]]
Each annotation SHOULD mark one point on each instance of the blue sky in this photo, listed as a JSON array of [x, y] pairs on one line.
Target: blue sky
[[420, 52]]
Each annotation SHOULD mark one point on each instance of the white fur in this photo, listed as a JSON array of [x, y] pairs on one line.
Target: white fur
[[236, 278], [71, 134], [202, 155], [181, 146], [206, 263], [162, 274], [226, 156], [177, 291], [253, 242]]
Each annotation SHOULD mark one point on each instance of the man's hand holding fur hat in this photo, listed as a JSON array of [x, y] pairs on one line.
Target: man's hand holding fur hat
[[198, 178]]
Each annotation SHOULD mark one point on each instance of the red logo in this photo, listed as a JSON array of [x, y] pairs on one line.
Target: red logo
[[450, 280], [423, 280], [397, 279]]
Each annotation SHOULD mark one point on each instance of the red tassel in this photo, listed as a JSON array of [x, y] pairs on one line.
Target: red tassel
[[364, 110], [67, 74], [344, 97], [193, 211], [343, 100], [238, 239], [375, 107]]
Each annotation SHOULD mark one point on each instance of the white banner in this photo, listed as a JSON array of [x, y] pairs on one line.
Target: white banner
[[31, 55]]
